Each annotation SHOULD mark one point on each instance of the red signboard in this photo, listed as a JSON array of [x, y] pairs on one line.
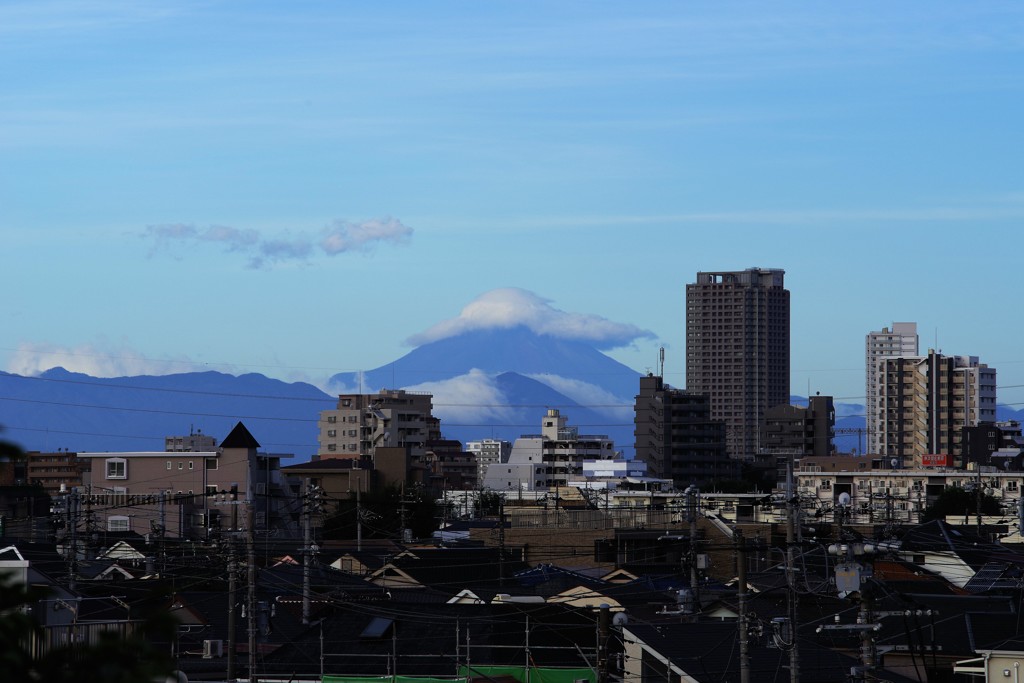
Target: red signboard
[[936, 460]]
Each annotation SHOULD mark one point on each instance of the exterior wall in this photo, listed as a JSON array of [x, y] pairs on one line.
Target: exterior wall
[[897, 495], [676, 436], [737, 349], [550, 459], [190, 442], [901, 340], [53, 470], [143, 491], [363, 422], [928, 400], [487, 453], [804, 431]]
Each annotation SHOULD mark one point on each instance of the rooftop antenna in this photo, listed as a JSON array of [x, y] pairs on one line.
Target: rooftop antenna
[[661, 362]]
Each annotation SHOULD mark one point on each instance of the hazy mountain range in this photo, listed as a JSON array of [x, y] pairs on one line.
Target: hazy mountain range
[[485, 383]]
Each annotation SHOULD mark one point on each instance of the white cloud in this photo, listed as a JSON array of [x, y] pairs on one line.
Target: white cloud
[[511, 307], [589, 395], [473, 398], [337, 238], [31, 359], [343, 236]]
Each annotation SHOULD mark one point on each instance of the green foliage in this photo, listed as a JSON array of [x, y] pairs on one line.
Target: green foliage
[[113, 659], [958, 501], [487, 503], [382, 512]]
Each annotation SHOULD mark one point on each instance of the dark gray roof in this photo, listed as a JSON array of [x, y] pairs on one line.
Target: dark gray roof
[[240, 438]]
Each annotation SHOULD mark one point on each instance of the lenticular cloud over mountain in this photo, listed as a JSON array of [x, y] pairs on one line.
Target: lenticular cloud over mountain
[[510, 307]]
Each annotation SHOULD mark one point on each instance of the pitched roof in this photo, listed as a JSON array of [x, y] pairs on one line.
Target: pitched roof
[[239, 438]]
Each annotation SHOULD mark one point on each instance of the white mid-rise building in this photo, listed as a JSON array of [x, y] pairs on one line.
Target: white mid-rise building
[[548, 460], [487, 452], [900, 340]]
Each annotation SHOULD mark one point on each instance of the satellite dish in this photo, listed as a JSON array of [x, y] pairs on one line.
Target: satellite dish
[[895, 463], [620, 619], [844, 499]]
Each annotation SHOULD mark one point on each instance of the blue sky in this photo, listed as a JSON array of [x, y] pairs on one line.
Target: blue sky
[[300, 188]]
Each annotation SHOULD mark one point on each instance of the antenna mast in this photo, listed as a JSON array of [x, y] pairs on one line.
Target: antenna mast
[[661, 362]]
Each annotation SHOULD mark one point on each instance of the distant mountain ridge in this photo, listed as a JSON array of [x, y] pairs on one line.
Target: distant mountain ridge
[[486, 384], [515, 349]]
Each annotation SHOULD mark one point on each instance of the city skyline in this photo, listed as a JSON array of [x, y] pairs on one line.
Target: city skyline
[[337, 181]]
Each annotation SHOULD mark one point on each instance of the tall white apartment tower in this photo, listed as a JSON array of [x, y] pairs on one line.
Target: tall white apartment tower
[[901, 340]]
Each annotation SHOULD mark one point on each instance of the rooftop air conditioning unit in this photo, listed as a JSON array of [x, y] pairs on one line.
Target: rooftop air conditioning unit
[[213, 648]]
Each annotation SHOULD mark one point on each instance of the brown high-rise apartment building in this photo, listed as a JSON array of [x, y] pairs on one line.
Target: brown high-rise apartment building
[[737, 349]]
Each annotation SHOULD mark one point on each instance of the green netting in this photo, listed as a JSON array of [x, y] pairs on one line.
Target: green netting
[[388, 679], [537, 675], [516, 672]]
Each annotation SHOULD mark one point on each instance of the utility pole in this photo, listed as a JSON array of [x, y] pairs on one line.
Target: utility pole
[[691, 515], [250, 547], [501, 542], [305, 551], [792, 508], [977, 496], [73, 529], [232, 580], [232, 593], [359, 520], [603, 622], [741, 596]]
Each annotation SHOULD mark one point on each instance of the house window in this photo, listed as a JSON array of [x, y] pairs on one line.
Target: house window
[[119, 523], [117, 468], [332, 432], [1011, 485], [168, 464], [211, 463], [211, 489], [332, 447], [190, 465], [331, 419]]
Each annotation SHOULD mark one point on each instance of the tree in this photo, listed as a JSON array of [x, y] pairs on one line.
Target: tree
[[958, 501], [112, 659]]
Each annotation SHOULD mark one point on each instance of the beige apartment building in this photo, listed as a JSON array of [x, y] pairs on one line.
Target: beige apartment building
[[186, 494], [926, 401], [361, 423], [900, 340]]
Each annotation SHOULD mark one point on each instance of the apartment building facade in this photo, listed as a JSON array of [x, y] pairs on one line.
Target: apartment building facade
[[549, 460], [676, 436], [899, 340], [488, 452], [801, 430], [187, 494], [926, 401], [363, 422], [737, 349]]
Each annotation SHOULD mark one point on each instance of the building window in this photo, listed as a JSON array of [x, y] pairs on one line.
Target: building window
[[168, 464], [190, 466], [117, 468], [331, 419], [119, 523], [332, 447], [181, 465], [211, 463], [332, 432]]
